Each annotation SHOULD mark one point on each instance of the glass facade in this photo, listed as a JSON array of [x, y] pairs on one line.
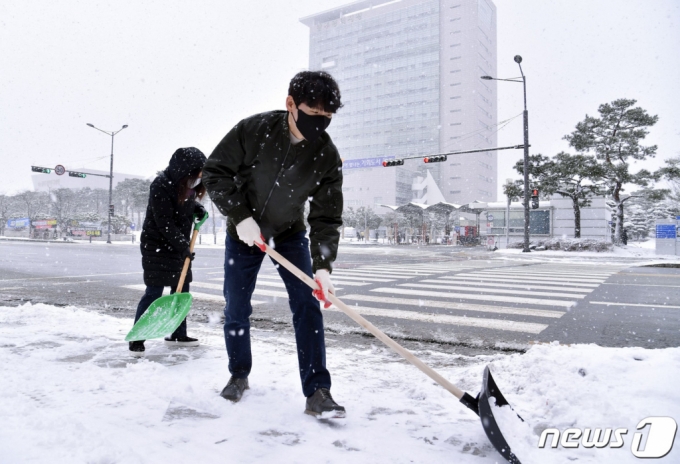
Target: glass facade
[[409, 74], [388, 71], [539, 222]]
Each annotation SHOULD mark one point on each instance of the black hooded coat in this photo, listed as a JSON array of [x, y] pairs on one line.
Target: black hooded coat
[[168, 223]]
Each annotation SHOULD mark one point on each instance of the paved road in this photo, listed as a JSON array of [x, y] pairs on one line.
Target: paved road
[[470, 299]]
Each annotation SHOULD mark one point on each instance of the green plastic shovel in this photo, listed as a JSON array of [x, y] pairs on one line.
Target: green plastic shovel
[[167, 313]]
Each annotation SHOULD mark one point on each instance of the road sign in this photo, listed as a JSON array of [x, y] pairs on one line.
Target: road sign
[[489, 217], [665, 231], [132, 226], [59, 170]]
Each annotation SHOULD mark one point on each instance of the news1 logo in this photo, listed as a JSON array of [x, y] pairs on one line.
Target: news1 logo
[[659, 435]]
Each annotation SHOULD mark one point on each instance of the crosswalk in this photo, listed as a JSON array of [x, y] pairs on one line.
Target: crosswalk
[[470, 295]]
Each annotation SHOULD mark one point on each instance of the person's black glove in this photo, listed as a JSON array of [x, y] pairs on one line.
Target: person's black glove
[[199, 210], [187, 254]]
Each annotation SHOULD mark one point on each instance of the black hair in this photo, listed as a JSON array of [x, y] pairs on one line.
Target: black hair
[[317, 89]]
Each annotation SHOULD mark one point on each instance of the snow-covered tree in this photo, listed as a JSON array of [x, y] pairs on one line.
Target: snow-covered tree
[[577, 177], [614, 137]]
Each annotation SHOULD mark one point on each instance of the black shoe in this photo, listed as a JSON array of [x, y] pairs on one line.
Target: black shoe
[[136, 348], [234, 389], [181, 341], [322, 405]]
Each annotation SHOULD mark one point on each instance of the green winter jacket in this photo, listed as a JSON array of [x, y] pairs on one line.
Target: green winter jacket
[[256, 171]]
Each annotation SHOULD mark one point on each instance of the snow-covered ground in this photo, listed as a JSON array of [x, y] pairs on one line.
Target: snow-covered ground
[[70, 393]]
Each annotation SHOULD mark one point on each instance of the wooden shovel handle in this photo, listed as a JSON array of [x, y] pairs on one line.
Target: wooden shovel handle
[[187, 262], [410, 357]]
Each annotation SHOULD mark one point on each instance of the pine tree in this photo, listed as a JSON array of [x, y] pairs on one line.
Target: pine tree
[[614, 137]]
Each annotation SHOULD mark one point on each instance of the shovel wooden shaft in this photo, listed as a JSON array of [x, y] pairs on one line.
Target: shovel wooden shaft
[[187, 262], [410, 357]]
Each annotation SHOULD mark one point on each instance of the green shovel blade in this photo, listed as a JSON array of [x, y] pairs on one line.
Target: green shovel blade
[[162, 318]]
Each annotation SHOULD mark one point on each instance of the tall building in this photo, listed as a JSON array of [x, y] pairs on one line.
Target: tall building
[[409, 72]]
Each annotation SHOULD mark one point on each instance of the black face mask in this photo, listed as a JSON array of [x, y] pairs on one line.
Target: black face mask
[[311, 127]]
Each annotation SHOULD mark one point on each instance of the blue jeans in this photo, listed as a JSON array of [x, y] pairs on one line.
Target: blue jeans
[[241, 265], [152, 294]]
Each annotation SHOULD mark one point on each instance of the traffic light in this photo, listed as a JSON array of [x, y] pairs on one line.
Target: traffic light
[[39, 169], [393, 162], [111, 210], [534, 198], [435, 159], [77, 174]]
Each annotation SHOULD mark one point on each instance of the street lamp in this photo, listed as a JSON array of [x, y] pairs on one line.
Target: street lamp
[[523, 80], [112, 134]]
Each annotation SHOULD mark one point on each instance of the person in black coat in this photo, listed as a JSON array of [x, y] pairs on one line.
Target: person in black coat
[[165, 238]]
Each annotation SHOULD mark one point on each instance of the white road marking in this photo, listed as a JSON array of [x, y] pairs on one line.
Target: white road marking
[[538, 278], [465, 296], [496, 324], [554, 275], [457, 306], [72, 276], [348, 283], [76, 282], [493, 290], [267, 283], [461, 279], [405, 269], [523, 285], [196, 295], [257, 291], [335, 276], [565, 270], [640, 285], [607, 303], [353, 273]]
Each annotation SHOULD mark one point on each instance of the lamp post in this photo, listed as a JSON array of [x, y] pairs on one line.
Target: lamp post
[[523, 80], [110, 176]]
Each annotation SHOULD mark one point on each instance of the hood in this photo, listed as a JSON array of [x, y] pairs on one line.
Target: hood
[[185, 161]]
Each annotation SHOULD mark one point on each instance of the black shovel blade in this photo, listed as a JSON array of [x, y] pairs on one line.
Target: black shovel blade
[[490, 391]]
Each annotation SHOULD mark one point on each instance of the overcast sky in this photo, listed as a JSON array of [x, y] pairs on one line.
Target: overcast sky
[[182, 73]]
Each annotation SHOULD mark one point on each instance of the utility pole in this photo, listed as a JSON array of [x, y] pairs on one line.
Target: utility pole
[[110, 209], [523, 80]]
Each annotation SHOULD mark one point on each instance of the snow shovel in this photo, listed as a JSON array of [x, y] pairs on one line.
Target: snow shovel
[[480, 404], [167, 313]]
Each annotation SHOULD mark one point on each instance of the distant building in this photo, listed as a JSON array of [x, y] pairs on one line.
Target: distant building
[[409, 72], [47, 182]]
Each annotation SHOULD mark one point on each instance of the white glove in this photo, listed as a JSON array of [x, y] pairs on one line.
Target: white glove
[[248, 231], [323, 278]]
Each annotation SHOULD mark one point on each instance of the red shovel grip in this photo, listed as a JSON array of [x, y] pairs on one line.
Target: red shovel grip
[[262, 246], [318, 294]]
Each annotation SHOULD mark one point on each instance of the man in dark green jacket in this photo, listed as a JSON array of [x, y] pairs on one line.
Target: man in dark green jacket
[[260, 176]]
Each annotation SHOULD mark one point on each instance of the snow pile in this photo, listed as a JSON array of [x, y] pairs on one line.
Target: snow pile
[[70, 393], [567, 244]]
